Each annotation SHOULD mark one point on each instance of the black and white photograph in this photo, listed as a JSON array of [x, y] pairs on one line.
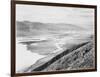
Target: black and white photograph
[[54, 38]]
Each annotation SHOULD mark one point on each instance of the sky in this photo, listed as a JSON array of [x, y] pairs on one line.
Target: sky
[[49, 14]]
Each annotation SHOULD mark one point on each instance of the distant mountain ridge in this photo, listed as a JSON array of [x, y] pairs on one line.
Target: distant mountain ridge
[[27, 28]]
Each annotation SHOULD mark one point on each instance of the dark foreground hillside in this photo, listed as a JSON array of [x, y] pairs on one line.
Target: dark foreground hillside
[[81, 58], [77, 57]]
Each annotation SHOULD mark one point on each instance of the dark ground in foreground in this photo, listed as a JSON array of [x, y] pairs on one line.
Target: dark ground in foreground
[[77, 57]]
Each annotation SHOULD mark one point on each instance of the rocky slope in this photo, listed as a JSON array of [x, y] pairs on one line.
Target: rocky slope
[[77, 57]]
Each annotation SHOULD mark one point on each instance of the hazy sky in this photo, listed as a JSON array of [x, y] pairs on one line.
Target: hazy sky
[[51, 14]]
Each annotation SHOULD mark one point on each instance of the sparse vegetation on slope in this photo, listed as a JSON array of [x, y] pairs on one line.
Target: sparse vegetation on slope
[[77, 57]]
